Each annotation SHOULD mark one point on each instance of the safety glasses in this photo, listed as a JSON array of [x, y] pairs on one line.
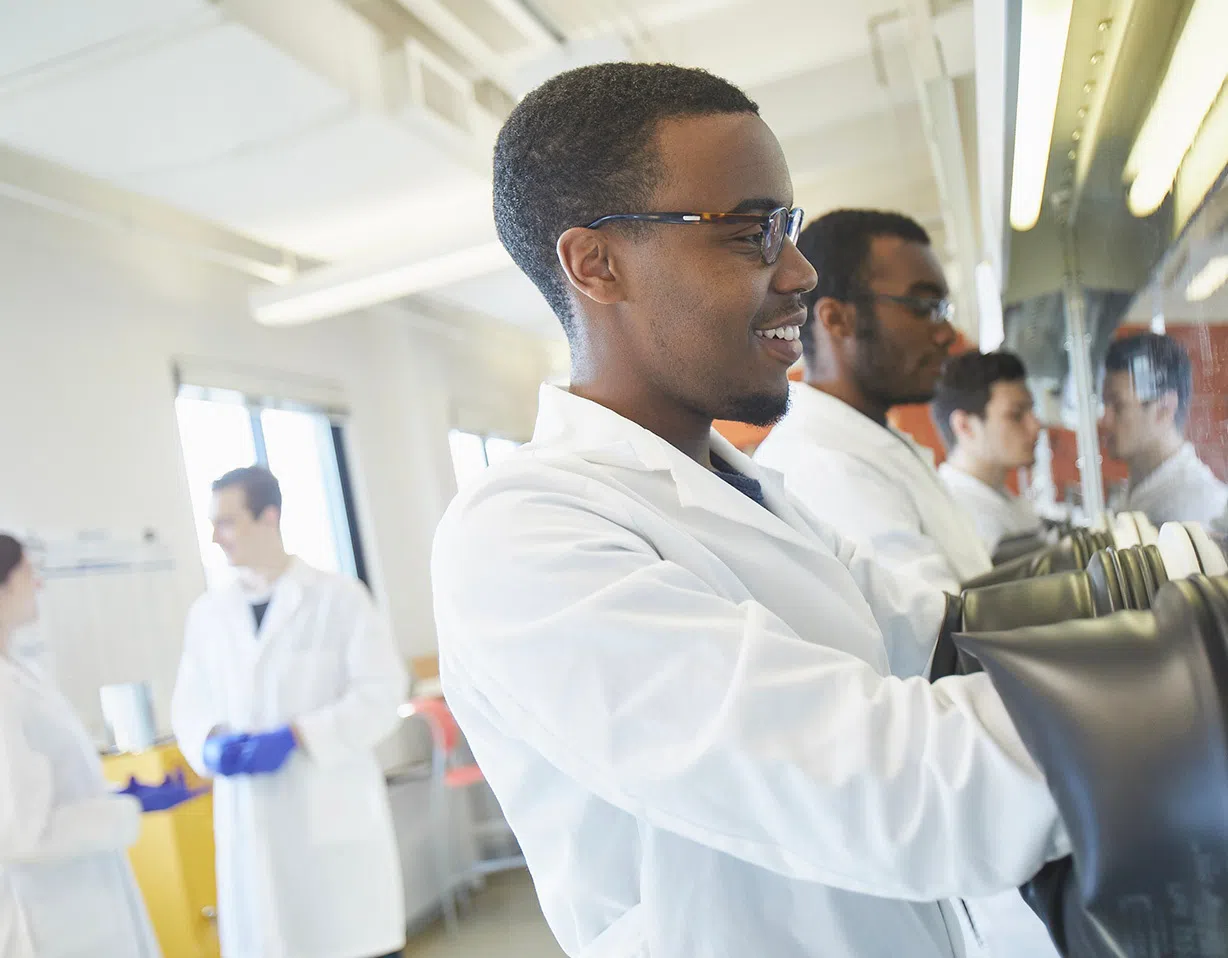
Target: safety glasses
[[925, 307], [778, 224]]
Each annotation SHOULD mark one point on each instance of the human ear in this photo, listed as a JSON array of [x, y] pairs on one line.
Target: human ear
[[837, 317], [590, 265]]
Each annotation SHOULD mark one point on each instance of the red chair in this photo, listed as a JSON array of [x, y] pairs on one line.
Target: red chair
[[452, 771]]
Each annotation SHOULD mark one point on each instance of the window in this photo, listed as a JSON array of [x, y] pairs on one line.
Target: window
[[472, 453], [221, 430]]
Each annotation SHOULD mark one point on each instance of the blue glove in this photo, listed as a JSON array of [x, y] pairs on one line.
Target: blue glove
[[223, 753], [267, 752], [158, 798]]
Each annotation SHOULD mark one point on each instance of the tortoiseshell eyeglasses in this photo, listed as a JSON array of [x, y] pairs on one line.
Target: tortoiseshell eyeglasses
[[778, 224]]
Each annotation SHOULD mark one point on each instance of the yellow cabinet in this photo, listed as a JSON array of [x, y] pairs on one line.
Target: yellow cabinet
[[173, 859]]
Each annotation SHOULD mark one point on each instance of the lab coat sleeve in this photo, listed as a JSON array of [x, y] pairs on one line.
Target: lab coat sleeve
[[713, 720], [196, 709], [862, 505], [33, 828], [377, 683], [909, 611]]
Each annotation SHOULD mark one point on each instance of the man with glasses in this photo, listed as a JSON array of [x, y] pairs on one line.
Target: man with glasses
[[878, 335], [1148, 384], [701, 710]]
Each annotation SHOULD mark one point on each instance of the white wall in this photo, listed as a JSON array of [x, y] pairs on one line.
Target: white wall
[[90, 323]]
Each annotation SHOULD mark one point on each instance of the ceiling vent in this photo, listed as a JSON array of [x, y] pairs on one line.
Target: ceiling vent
[[494, 35], [443, 103]]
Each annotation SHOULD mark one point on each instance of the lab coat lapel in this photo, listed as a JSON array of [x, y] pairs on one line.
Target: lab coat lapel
[[702, 489], [598, 435], [287, 597], [240, 625], [835, 424]]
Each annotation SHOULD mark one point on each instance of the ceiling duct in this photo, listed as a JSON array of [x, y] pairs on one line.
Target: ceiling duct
[[493, 35], [388, 62], [441, 91]]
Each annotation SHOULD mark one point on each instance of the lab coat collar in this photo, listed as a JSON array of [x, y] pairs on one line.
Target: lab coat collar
[[822, 415], [286, 596], [570, 425], [1185, 458], [970, 483]]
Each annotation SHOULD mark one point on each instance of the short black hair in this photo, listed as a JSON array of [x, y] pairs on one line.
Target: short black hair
[[1157, 365], [967, 383], [260, 488], [838, 247], [579, 147], [11, 554]]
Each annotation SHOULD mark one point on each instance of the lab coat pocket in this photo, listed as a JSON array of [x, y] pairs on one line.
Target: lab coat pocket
[[343, 803], [626, 938]]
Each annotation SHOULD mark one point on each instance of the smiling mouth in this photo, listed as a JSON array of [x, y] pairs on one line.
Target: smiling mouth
[[782, 343], [787, 333]]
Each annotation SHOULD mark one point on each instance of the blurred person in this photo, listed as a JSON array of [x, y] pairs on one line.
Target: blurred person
[[877, 335], [1148, 385], [703, 712], [289, 680], [66, 888], [986, 415]]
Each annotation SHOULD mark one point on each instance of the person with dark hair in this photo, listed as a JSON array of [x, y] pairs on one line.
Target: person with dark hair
[[878, 335], [986, 415], [703, 712], [66, 888], [289, 679], [1148, 385]]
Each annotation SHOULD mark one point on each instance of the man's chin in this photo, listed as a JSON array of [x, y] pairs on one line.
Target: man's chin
[[761, 409]]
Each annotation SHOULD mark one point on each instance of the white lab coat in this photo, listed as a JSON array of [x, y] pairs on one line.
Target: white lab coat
[[66, 889], [682, 701], [307, 862], [997, 514], [874, 485], [1183, 489], [877, 485]]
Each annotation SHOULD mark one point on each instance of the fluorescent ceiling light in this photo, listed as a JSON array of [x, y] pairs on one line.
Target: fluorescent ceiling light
[[1208, 281], [1042, 50], [1190, 86], [333, 290]]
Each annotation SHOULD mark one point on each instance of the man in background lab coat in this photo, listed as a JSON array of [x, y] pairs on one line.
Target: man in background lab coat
[[289, 679], [878, 335], [703, 711], [985, 413], [1148, 384]]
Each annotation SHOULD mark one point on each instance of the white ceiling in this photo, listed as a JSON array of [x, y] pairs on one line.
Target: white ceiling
[[291, 122]]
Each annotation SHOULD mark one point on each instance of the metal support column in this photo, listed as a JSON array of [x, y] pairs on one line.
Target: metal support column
[[1079, 351]]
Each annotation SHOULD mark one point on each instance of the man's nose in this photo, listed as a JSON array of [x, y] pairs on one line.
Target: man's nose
[[794, 274], [945, 335]]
